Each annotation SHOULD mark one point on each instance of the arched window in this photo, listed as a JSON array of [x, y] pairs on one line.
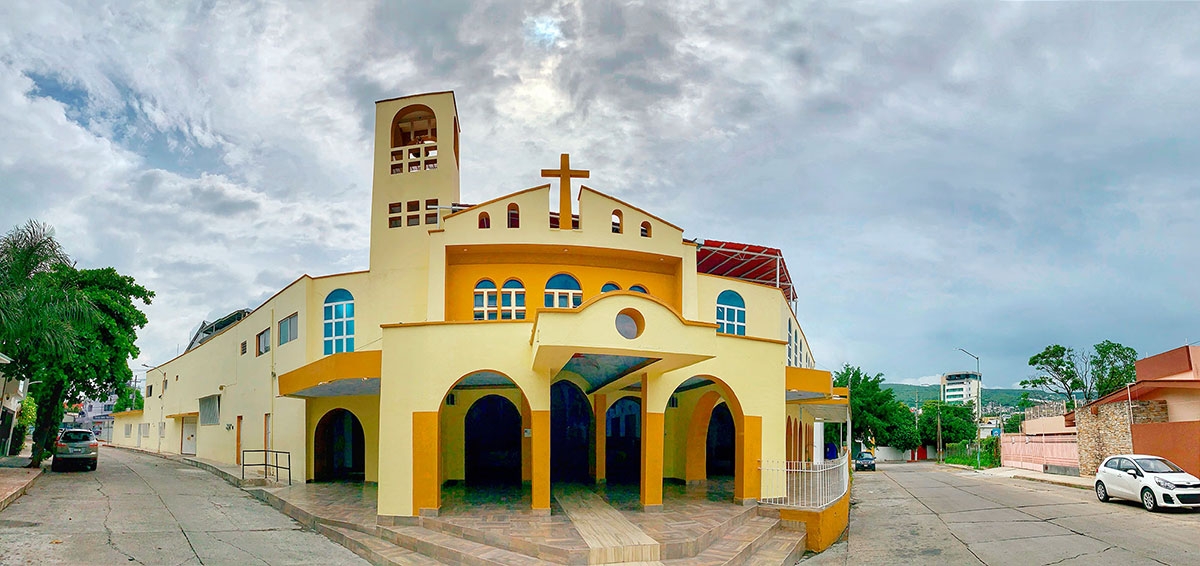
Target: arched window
[[485, 300], [514, 216], [414, 140], [485, 221], [563, 291], [610, 287], [339, 322], [512, 300], [731, 313], [639, 289], [645, 229], [618, 225]]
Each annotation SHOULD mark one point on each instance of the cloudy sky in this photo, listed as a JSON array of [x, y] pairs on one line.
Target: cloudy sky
[[995, 177]]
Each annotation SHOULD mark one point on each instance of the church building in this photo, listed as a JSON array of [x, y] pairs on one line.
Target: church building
[[507, 344]]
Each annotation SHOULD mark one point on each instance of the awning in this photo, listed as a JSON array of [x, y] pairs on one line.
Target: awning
[[345, 374], [183, 415], [749, 262]]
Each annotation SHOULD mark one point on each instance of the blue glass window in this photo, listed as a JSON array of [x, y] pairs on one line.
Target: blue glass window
[[731, 313], [610, 287], [563, 291], [338, 325], [485, 300], [639, 289]]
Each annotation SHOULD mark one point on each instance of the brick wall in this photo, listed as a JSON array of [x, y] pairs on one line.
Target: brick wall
[[1107, 431]]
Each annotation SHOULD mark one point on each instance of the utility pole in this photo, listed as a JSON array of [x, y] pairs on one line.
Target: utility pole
[[939, 433]]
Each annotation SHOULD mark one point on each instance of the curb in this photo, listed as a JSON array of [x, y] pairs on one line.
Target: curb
[[12, 497], [228, 477], [1053, 482]]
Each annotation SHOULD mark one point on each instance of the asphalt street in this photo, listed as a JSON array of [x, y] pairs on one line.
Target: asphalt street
[[929, 514], [140, 509]]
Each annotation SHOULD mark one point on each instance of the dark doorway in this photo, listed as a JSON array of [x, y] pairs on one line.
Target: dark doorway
[[720, 450], [623, 452], [493, 442], [570, 433], [339, 448]]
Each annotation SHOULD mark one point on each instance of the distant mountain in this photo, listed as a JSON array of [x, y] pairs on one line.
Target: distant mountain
[[908, 394]]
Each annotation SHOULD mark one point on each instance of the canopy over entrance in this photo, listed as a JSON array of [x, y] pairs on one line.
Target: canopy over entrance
[[337, 375]]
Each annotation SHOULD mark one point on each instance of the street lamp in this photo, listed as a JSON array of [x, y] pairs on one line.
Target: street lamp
[[978, 404]]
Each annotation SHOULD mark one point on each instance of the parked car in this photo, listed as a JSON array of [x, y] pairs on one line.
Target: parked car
[[864, 461], [1154, 481], [75, 446]]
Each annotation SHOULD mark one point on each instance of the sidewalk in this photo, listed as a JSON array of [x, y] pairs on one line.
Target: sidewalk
[[231, 473], [1030, 475], [15, 478]]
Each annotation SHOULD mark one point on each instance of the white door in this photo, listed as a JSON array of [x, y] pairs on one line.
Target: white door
[[189, 437]]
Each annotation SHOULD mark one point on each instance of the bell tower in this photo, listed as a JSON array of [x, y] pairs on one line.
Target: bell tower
[[415, 175]]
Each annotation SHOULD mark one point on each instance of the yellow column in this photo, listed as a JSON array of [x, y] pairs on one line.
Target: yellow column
[[600, 411], [653, 430], [427, 492], [541, 462]]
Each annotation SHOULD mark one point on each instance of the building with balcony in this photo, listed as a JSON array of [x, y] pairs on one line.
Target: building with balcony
[[507, 344]]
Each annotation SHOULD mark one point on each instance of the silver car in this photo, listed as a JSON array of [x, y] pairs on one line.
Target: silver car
[[75, 447]]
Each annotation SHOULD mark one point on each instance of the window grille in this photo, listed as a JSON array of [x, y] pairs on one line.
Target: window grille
[[210, 410]]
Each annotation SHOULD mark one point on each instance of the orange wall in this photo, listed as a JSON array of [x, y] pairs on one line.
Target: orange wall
[[534, 265], [824, 527], [1178, 442]]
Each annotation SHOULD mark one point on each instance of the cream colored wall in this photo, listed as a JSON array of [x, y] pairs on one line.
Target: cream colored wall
[[678, 422], [1046, 425], [763, 305], [1182, 404], [452, 427]]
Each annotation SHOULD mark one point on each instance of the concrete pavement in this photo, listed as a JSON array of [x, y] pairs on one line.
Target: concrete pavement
[[927, 514], [140, 509]]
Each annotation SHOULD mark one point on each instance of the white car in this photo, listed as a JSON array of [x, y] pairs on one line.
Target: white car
[[1154, 481]]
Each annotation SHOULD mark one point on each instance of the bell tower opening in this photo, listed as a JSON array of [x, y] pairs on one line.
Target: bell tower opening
[[414, 140]]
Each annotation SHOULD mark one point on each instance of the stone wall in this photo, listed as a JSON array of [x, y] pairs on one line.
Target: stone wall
[[1104, 430]]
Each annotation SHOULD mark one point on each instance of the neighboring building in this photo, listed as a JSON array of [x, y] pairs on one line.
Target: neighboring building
[[11, 394], [1164, 406], [963, 387], [96, 415], [505, 341]]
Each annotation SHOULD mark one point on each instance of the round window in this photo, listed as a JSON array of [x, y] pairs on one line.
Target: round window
[[630, 323]]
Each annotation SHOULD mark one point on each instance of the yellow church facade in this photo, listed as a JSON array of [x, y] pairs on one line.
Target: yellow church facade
[[505, 343]]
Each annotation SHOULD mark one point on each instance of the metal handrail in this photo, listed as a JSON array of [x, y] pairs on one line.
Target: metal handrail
[[803, 485], [267, 454]]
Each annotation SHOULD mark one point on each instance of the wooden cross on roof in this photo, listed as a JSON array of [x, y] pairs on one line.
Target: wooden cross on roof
[[564, 173]]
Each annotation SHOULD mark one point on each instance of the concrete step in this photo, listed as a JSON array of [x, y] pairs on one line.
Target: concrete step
[[376, 550], [688, 548], [736, 547], [453, 550], [519, 545], [784, 547]]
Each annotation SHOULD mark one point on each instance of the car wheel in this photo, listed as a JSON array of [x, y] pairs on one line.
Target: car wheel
[[1148, 500], [55, 465], [1101, 492]]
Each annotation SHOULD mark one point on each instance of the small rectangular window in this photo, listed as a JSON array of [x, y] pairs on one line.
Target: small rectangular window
[[431, 218], [414, 220], [162, 430], [414, 205], [210, 410], [396, 208], [128, 430], [395, 222], [264, 343], [289, 328], [149, 391], [431, 204], [243, 347]]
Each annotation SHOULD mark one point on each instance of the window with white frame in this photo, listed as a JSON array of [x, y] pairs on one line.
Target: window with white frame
[[162, 430], [486, 300], [128, 430], [210, 410], [512, 300], [563, 291], [144, 430], [731, 313], [289, 328], [339, 322], [264, 342]]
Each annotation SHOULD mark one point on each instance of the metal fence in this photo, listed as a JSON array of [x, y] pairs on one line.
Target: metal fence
[[803, 485]]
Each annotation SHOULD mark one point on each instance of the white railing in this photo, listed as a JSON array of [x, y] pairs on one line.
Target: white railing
[[803, 485]]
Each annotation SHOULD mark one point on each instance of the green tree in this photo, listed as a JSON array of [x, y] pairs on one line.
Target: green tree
[[900, 429], [129, 399], [1013, 422], [958, 422], [1058, 372], [1113, 366], [99, 361], [868, 402]]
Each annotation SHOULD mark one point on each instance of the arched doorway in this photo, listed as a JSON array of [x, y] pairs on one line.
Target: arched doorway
[[339, 447], [570, 433], [492, 442], [623, 449], [720, 448]]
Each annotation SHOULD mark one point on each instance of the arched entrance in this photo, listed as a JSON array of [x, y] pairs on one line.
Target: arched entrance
[[623, 449], [570, 433], [720, 449], [339, 447], [492, 442]]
